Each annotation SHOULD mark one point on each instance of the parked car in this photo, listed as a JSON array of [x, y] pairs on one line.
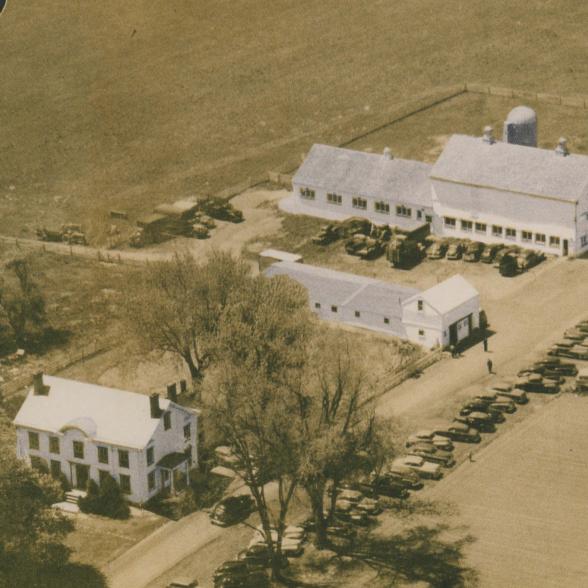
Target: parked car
[[370, 506], [437, 250], [404, 477], [508, 391], [231, 510], [508, 266], [553, 376], [460, 432], [430, 437], [489, 252], [479, 420], [536, 383], [572, 351], [528, 258], [425, 469], [258, 556], [554, 366], [236, 574], [502, 253], [575, 335], [342, 531], [475, 407], [498, 404], [431, 453], [352, 516], [385, 486], [455, 250], [183, 583], [473, 251]]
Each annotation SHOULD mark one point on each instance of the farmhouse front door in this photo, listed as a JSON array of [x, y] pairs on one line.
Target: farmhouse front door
[[82, 475]]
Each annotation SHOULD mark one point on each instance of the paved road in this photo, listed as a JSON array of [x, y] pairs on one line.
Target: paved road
[[526, 316]]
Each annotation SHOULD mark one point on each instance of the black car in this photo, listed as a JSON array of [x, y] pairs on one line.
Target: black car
[[548, 368], [231, 510], [342, 531], [460, 432], [385, 486], [479, 420], [536, 383], [404, 479], [237, 574], [258, 557], [478, 406]]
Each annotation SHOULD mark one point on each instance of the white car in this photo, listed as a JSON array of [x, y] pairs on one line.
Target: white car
[[291, 547], [424, 468], [430, 437]]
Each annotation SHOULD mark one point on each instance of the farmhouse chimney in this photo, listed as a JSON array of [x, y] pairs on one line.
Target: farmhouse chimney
[[172, 392], [387, 154], [562, 147], [39, 388], [488, 136], [154, 405]]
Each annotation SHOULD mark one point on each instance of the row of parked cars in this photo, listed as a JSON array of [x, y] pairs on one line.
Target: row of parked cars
[[574, 343], [508, 259]]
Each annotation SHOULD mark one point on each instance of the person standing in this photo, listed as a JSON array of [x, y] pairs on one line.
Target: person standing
[[489, 365], [485, 343]]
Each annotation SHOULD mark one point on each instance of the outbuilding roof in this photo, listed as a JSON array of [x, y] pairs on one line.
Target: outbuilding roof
[[447, 295], [366, 174], [514, 168], [106, 415], [340, 288]]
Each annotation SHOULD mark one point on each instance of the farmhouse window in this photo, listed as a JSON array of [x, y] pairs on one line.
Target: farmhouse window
[[102, 454], [540, 238], [150, 457], [37, 463], [54, 445], [187, 432], [421, 333], [33, 440], [334, 198], [333, 309], [554, 241], [481, 228], [125, 483], [419, 304], [151, 480], [357, 314], [55, 468], [403, 211], [167, 421], [511, 233], [419, 214], [123, 458], [307, 193], [526, 236], [428, 218], [584, 240], [103, 475], [466, 225], [449, 222], [386, 320], [317, 304], [497, 231], [360, 203], [78, 449], [382, 207]]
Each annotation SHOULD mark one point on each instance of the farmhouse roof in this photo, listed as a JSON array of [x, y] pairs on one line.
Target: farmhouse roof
[[366, 174], [447, 295], [106, 415], [513, 168], [339, 288]]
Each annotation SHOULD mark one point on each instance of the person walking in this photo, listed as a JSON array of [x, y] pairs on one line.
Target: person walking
[[489, 364], [471, 456], [485, 343], [452, 349]]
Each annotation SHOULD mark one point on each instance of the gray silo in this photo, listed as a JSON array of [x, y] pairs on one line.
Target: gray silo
[[520, 127]]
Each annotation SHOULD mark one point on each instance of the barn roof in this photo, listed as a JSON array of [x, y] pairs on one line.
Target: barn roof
[[366, 174], [106, 415], [513, 168], [447, 295]]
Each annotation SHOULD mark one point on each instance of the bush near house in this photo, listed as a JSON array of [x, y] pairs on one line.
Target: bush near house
[[106, 500]]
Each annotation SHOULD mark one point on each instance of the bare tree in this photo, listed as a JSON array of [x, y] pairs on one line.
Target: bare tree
[[176, 306]]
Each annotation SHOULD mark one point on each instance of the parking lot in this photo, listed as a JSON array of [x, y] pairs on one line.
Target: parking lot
[[524, 499]]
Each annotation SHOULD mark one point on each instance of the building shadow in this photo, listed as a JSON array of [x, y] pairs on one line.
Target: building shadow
[[476, 338]]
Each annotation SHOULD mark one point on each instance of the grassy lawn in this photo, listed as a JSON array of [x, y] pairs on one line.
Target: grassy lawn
[[123, 106], [98, 540]]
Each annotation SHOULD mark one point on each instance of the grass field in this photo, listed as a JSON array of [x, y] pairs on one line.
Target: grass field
[[113, 105]]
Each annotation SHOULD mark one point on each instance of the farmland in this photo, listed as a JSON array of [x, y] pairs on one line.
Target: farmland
[[123, 106]]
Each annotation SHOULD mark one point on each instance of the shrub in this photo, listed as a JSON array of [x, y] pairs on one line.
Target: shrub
[[106, 500]]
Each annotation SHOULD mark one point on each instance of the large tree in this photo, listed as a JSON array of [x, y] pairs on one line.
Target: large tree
[[22, 304], [175, 306], [261, 348]]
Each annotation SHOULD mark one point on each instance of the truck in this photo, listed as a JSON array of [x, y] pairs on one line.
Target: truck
[[70, 233], [403, 252], [220, 209]]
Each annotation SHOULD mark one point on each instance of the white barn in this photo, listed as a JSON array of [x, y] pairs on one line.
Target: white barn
[[447, 313], [339, 183], [146, 443], [502, 192]]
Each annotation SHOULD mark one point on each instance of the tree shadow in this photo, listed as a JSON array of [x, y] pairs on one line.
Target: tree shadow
[[71, 575]]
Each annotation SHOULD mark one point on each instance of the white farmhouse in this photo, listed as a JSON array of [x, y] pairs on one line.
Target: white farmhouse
[[493, 191], [85, 431], [339, 183], [446, 314]]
